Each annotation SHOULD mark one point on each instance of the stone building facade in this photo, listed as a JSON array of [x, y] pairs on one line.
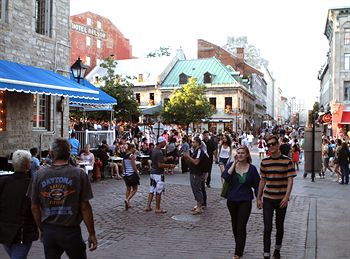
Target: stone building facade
[[252, 76], [34, 33], [335, 75], [94, 38]]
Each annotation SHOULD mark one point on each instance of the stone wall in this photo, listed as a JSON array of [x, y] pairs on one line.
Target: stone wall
[[21, 44]]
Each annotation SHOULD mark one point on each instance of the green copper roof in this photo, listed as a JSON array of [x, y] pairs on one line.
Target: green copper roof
[[197, 68]]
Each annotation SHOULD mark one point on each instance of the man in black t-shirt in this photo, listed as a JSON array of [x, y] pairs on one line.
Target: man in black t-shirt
[[157, 175], [211, 150], [285, 147], [60, 197]]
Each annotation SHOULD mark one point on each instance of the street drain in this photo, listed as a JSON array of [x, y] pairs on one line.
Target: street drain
[[186, 218]]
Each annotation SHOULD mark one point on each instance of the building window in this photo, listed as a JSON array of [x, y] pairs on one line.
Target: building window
[[228, 104], [98, 44], [88, 41], [88, 61], [347, 36], [347, 91], [3, 10], [140, 78], [43, 17], [183, 79], [88, 21], [98, 61], [138, 97], [207, 78], [41, 111], [212, 101], [99, 25], [151, 99], [347, 61]]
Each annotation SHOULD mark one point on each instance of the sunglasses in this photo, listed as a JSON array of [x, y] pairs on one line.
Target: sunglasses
[[271, 144]]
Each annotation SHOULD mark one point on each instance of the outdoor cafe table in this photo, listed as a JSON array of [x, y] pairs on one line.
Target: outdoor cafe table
[[2, 173], [86, 165], [143, 156], [116, 158], [119, 159]]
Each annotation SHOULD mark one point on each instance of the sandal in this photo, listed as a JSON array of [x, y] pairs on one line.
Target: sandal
[[160, 211], [195, 212]]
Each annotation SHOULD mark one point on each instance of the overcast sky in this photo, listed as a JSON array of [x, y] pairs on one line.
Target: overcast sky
[[289, 33]]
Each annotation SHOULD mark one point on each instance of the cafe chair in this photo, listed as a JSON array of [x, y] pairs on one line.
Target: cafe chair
[[4, 165]]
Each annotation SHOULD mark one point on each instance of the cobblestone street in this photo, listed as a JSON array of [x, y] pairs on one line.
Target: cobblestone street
[[178, 234]]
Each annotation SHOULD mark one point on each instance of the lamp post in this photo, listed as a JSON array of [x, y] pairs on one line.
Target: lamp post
[[78, 70], [315, 116], [313, 148]]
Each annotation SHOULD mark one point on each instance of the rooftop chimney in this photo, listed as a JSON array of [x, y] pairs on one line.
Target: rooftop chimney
[[240, 54]]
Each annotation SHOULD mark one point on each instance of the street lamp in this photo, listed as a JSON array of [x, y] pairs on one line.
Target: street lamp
[[78, 70]]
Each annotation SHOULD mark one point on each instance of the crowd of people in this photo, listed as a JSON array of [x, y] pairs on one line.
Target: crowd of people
[[56, 196], [335, 158]]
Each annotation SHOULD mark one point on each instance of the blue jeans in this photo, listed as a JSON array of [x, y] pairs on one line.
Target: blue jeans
[[18, 251], [344, 169], [59, 239]]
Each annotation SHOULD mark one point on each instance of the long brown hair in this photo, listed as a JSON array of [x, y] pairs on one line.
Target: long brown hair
[[246, 149]]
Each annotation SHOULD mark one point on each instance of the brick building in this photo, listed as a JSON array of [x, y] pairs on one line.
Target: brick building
[[94, 38]]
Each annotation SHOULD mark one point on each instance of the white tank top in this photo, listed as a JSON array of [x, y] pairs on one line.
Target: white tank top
[[224, 152]]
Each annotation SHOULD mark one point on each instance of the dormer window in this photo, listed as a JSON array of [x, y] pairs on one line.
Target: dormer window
[[183, 79], [208, 78]]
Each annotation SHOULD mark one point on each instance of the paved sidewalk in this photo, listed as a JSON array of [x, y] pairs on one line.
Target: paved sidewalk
[[315, 226]]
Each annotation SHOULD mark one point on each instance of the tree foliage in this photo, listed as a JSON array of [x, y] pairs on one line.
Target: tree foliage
[[187, 104], [127, 107], [162, 51]]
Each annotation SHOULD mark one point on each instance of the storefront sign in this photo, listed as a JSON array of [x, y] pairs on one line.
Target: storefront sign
[[88, 30], [326, 118]]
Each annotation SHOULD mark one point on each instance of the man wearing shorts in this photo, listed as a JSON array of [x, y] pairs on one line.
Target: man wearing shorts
[[157, 175]]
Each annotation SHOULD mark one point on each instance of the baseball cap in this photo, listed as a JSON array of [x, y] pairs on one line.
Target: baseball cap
[[161, 139]]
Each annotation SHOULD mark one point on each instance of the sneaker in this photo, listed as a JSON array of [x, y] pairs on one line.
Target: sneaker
[[276, 254]]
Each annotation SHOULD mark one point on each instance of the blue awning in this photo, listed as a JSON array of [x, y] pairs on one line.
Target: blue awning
[[104, 100], [16, 77]]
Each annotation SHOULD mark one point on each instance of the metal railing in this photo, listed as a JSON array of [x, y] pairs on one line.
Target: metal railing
[[94, 138]]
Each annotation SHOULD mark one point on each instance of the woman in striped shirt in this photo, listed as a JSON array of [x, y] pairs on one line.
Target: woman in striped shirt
[[131, 174]]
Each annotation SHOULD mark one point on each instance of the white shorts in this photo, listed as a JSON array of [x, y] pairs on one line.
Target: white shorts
[[261, 150], [156, 183]]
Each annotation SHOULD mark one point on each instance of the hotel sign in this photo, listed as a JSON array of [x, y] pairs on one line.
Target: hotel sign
[[88, 30]]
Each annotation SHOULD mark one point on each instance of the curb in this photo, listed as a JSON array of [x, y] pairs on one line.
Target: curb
[[311, 236]]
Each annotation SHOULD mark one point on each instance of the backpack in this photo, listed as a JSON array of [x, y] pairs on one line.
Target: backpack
[[205, 162], [330, 151]]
